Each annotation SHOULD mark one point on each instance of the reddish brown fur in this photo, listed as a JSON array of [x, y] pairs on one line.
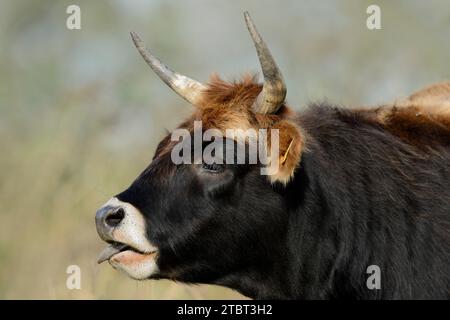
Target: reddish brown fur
[[422, 120], [228, 106], [418, 128]]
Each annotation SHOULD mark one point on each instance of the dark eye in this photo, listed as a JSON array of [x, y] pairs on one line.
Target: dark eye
[[213, 167]]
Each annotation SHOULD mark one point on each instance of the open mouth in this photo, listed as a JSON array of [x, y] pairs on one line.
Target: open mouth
[[116, 249]]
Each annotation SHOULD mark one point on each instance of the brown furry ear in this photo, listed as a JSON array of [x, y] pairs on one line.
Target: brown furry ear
[[291, 144]]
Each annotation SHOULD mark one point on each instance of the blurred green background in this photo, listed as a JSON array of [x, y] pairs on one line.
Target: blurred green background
[[81, 113]]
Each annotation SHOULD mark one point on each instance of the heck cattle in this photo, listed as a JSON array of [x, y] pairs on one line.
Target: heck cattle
[[354, 188]]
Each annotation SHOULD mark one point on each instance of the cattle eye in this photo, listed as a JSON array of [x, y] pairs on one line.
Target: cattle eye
[[213, 167]]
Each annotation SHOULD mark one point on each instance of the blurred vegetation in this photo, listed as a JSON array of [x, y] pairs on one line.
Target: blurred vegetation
[[81, 114]]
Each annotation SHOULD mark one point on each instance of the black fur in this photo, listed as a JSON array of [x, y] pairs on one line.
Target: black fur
[[361, 196]]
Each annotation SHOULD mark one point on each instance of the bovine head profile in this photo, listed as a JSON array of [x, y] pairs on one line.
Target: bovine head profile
[[208, 223]]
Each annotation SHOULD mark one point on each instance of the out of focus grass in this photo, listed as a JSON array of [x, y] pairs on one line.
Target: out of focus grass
[[80, 114]]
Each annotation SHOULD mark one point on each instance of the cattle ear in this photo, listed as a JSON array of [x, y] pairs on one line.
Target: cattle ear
[[291, 144]]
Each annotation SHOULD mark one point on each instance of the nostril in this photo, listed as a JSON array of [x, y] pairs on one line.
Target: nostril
[[114, 218]]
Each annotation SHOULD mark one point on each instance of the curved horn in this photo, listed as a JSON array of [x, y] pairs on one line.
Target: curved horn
[[274, 90], [187, 88]]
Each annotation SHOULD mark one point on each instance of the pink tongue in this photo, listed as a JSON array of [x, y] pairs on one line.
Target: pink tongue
[[109, 251]]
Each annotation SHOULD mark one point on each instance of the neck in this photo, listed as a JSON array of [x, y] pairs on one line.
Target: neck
[[303, 262]]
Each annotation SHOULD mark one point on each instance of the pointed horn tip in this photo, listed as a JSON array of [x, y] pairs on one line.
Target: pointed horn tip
[[248, 19], [254, 34], [135, 37]]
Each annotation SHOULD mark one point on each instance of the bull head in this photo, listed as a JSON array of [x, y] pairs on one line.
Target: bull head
[[152, 226]]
